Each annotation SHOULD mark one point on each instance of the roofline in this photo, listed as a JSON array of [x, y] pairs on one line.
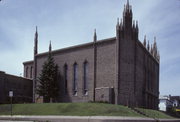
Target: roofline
[[2, 72], [28, 62], [175, 96], [17, 76], [78, 46], [14, 75], [146, 51], [166, 99], [89, 44]]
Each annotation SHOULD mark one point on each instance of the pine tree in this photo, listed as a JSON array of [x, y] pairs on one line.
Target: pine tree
[[48, 85]]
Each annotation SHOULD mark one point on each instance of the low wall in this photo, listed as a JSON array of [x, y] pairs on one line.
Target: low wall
[[104, 94], [84, 119]]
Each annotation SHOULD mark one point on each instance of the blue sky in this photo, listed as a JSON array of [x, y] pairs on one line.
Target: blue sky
[[71, 22]]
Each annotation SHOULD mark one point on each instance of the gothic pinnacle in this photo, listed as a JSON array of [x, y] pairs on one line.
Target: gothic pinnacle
[[133, 24], [50, 47], [148, 47], [158, 55], [124, 12], [144, 43], [36, 28], [36, 33], [121, 24], [136, 24], [154, 40], [117, 23], [95, 36], [36, 42], [155, 47], [151, 50], [127, 5], [130, 10]]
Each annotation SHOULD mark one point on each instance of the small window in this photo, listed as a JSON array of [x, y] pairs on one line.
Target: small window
[[27, 72], [85, 79], [31, 72], [75, 76], [65, 78]]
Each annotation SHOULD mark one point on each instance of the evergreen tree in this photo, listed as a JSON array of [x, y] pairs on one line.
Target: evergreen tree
[[48, 84]]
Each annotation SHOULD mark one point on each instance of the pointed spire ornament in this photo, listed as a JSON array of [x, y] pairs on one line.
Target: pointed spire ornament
[[121, 24], [127, 2], [36, 28], [158, 56], [130, 7], [36, 33], [118, 21], [133, 24], [151, 50], [50, 47], [127, 5], [155, 47], [95, 36], [148, 47], [36, 42], [154, 42], [130, 10], [144, 43], [117, 25], [124, 11], [136, 24]]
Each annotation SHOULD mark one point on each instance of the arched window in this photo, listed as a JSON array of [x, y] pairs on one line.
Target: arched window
[[65, 78], [75, 76], [26, 72], [85, 79], [31, 72]]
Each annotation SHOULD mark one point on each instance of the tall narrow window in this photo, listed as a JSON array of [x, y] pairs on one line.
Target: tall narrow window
[[31, 72], [65, 78], [26, 72], [75, 79], [85, 68]]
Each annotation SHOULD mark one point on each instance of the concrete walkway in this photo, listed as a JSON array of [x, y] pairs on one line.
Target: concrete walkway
[[14, 121], [82, 119]]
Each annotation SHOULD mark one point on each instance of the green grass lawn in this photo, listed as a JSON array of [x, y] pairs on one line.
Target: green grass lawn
[[155, 114], [75, 109]]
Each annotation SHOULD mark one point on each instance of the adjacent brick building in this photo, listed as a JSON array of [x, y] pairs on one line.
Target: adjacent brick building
[[118, 70], [21, 87]]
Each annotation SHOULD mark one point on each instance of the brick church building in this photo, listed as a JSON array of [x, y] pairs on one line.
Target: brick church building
[[118, 70]]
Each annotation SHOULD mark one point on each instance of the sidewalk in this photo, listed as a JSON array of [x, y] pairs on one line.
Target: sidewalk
[[83, 119], [14, 121]]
